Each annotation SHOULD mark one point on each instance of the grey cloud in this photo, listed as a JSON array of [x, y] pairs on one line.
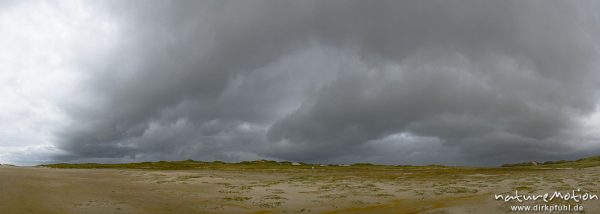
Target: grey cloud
[[8, 4], [332, 80]]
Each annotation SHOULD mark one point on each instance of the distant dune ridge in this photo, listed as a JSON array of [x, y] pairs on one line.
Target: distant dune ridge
[[579, 163], [271, 164]]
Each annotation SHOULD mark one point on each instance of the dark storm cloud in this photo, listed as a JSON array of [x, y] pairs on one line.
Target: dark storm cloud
[[336, 81]]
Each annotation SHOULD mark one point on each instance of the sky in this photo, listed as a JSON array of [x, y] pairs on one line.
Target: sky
[[454, 82]]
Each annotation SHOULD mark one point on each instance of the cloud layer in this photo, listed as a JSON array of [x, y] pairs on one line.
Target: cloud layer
[[398, 82]]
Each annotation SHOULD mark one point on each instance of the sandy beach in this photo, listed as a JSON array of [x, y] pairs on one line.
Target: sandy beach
[[426, 190]]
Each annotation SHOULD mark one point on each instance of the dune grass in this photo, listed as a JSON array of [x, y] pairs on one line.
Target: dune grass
[[270, 165], [219, 165], [580, 163]]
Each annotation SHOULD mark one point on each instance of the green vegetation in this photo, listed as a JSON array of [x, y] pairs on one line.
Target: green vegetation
[[219, 165], [270, 165], [274, 197], [454, 190], [580, 163], [181, 165], [237, 198]]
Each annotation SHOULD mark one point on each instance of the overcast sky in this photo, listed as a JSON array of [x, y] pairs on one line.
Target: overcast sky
[[395, 82]]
